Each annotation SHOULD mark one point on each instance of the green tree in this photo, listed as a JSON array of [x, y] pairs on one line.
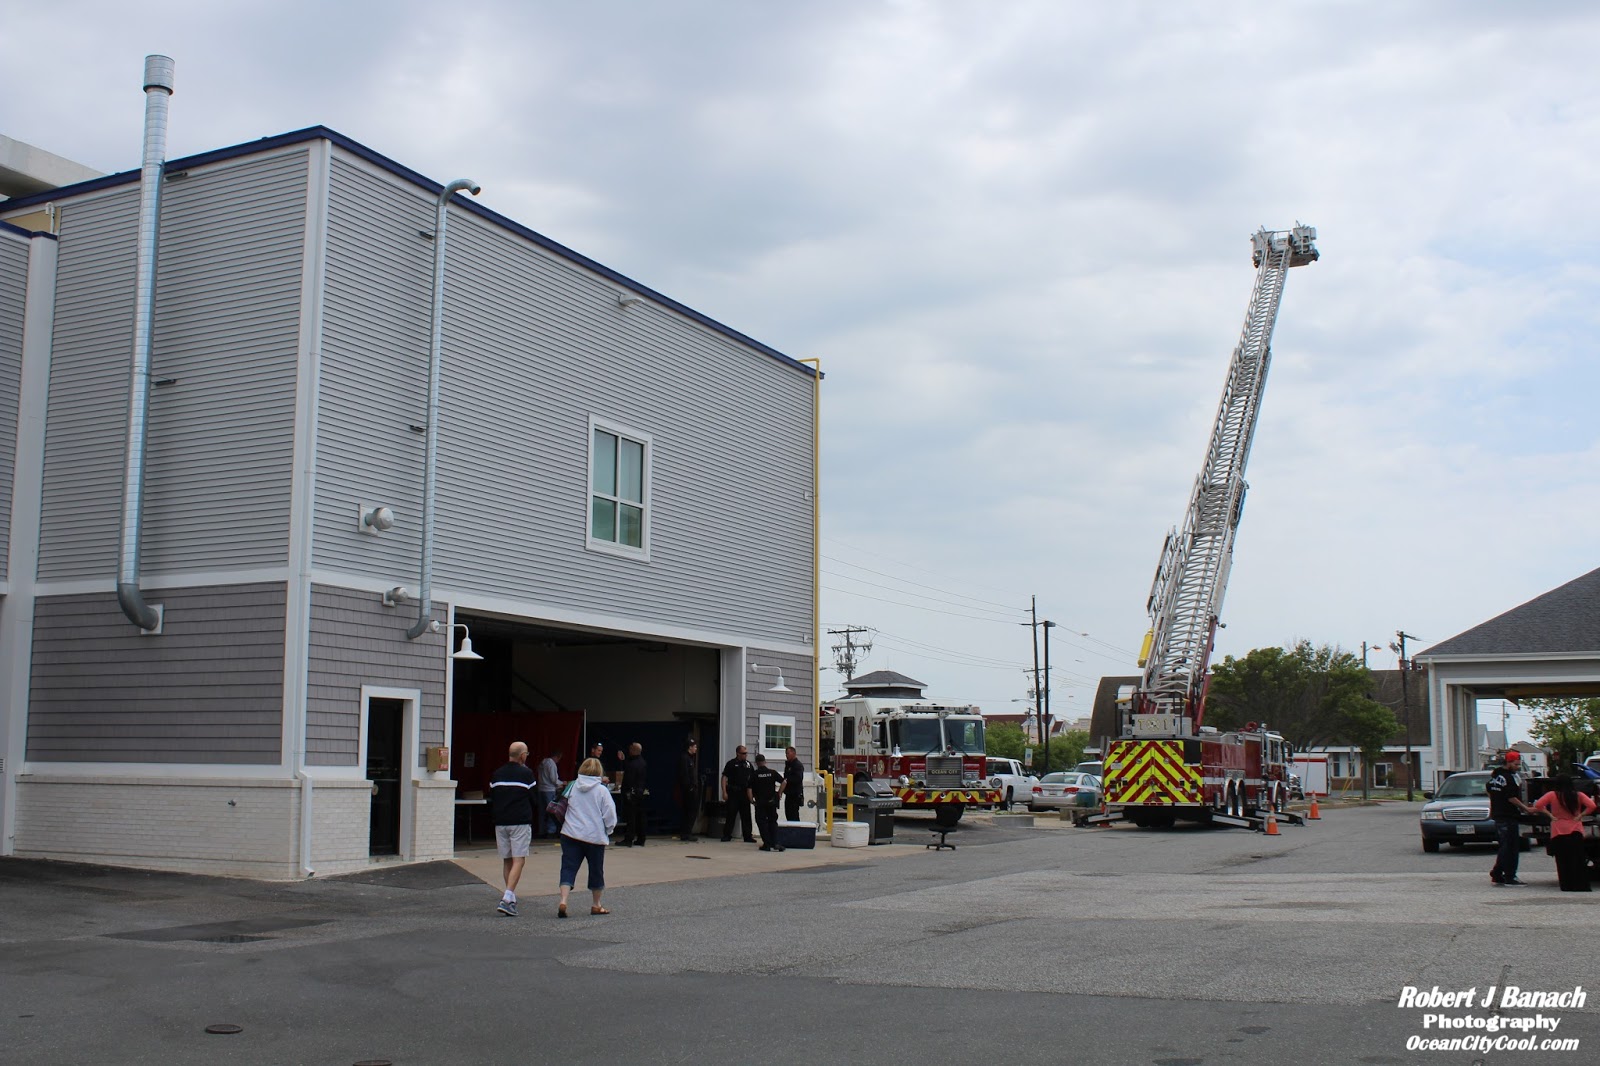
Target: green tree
[[1004, 740], [1302, 692], [1066, 750], [1368, 726], [1570, 727]]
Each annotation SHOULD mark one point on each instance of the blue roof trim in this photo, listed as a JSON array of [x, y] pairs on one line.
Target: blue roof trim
[[6, 227], [312, 133]]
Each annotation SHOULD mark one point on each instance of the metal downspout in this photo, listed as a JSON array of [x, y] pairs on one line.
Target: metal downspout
[[424, 623], [157, 91]]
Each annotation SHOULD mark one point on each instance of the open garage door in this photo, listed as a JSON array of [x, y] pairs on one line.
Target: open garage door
[[563, 689]]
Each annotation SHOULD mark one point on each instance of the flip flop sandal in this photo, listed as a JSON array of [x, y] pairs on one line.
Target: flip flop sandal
[[561, 911], [598, 910]]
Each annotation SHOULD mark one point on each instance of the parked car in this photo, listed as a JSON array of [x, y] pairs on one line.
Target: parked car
[[1459, 813], [1093, 766], [1015, 783], [1066, 790]]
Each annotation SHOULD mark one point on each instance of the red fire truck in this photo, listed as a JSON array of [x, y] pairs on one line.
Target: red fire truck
[[931, 756], [1163, 764], [1233, 778]]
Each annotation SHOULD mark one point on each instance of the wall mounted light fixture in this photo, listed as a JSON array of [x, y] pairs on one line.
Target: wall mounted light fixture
[[466, 652], [757, 668], [373, 520]]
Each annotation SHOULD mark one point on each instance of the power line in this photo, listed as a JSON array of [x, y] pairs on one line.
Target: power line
[[919, 606], [906, 565], [907, 581], [904, 592]]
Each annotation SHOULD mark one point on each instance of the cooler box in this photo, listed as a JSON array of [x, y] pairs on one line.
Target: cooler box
[[850, 834], [801, 835]]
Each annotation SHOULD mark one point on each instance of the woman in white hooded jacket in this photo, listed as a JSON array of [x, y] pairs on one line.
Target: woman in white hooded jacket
[[591, 816]]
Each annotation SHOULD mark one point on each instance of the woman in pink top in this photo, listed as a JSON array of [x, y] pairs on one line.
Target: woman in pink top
[[1566, 808]]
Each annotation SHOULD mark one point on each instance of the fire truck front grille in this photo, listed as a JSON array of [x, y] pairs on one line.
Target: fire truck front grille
[[944, 771]]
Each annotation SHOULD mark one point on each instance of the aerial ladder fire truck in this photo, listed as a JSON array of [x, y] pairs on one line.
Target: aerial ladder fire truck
[[1161, 764]]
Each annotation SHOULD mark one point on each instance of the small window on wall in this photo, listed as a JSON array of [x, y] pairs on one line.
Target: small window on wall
[[777, 733], [619, 490]]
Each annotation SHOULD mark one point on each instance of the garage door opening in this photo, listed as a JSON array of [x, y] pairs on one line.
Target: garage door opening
[[561, 690]]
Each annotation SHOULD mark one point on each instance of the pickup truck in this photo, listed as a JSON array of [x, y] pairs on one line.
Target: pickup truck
[[1015, 783]]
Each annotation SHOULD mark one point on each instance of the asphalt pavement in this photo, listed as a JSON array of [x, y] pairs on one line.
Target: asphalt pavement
[[1176, 948]]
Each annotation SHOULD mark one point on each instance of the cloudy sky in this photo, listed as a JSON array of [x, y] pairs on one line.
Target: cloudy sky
[[1017, 236]]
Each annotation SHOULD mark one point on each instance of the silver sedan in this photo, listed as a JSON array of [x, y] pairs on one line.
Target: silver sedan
[[1066, 790]]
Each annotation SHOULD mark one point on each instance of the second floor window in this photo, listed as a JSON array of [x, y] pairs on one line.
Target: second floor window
[[619, 478]]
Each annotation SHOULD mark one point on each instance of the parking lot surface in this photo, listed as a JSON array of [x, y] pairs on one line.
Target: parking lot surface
[[1175, 948]]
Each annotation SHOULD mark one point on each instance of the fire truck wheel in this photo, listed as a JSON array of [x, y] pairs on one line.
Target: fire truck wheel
[[947, 814]]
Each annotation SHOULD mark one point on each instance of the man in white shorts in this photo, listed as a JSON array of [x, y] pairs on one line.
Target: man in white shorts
[[512, 793]]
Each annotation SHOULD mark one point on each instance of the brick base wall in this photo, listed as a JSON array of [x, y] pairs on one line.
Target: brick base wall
[[236, 827], [240, 827]]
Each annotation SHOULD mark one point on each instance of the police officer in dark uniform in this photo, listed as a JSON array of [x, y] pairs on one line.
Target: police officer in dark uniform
[[794, 785], [688, 791], [736, 775], [634, 773], [765, 785], [1505, 801]]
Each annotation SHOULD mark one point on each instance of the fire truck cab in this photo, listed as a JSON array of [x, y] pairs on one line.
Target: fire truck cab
[[930, 755]]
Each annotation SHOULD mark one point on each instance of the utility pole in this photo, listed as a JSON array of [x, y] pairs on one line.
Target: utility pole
[[1048, 626], [844, 652], [1038, 691], [1405, 704]]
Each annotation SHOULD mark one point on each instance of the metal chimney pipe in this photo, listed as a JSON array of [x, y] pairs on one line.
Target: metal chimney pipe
[[157, 91], [424, 624]]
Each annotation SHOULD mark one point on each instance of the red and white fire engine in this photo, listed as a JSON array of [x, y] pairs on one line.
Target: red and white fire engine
[[931, 756]]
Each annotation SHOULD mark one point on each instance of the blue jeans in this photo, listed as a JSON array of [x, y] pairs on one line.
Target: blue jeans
[[549, 823], [1505, 863], [573, 853]]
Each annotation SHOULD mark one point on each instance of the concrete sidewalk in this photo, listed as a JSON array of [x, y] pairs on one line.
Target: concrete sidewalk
[[666, 859]]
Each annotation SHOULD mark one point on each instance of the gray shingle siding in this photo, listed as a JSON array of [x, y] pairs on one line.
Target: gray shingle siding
[[535, 345], [356, 641], [759, 698], [209, 689], [221, 435], [13, 296]]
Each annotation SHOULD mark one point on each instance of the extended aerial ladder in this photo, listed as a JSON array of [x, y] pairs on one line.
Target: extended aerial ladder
[[1161, 764], [1186, 595]]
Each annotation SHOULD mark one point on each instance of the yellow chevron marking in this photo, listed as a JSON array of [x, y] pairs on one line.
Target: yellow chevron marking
[[1151, 771]]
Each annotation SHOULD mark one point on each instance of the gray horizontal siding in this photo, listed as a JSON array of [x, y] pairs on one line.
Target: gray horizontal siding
[[13, 298], [208, 689], [533, 347], [221, 437], [759, 698], [356, 641]]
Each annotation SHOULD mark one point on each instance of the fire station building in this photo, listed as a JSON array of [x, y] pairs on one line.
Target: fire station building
[[248, 653]]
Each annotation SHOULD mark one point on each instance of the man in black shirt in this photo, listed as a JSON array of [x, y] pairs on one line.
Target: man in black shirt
[[512, 794], [1505, 801], [736, 775], [633, 782], [765, 785], [688, 791], [794, 785]]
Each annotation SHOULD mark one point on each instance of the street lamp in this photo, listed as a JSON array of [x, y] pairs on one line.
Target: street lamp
[[1399, 648]]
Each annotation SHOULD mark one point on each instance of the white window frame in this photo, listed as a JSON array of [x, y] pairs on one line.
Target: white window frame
[[785, 720], [611, 547]]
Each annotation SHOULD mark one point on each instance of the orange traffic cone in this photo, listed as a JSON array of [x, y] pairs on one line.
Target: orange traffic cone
[[1314, 815], [1272, 824]]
